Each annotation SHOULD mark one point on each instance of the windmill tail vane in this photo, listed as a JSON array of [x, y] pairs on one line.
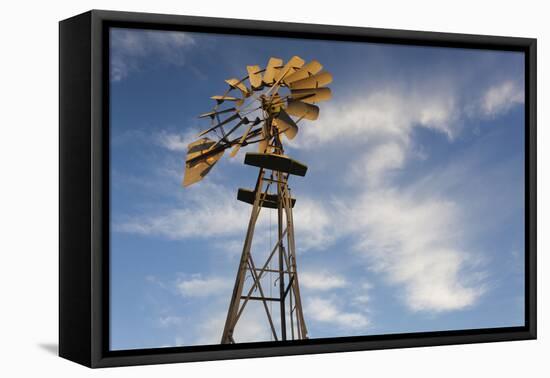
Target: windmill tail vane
[[264, 106]]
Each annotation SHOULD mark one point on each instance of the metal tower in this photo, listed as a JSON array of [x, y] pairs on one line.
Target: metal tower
[[271, 191]]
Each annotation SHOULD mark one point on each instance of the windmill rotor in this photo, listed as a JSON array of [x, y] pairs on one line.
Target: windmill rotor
[[269, 96]]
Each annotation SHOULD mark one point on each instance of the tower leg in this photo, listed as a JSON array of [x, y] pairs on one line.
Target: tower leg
[[233, 311], [280, 210], [292, 267]]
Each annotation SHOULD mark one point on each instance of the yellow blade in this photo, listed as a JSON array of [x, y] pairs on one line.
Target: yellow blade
[[225, 121], [316, 81], [254, 76], [212, 114], [286, 125], [311, 96], [221, 99], [306, 71], [196, 171], [290, 67], [236, 83], [273, 66], [198, 148], [195, 166], [302, 110], [237, 147]]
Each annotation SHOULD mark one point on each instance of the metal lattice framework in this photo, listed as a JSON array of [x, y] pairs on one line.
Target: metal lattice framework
[[263, 104]]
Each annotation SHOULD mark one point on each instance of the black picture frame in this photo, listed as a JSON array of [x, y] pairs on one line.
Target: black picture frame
[[84, 188]]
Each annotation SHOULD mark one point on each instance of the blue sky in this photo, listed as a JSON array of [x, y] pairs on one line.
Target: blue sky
[[410, 218]]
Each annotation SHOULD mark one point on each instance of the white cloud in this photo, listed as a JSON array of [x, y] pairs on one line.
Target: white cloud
[[414, 243], [364, 297], [252, 326], [500, 98], [210, 330], [171, 321], [175, 141], [225, 217], [324, 310], [376, 164], [232, 247], [196, 286], [128, 47], [322, 280], [381, 114], [201, 218], [313, 225]]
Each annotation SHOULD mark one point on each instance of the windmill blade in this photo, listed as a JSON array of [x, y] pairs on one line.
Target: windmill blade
[[274, 65], [220, 99], [316, 81], [194, 172], [225, 121], [286, 125], [306, 71], [254, 76], [243, 121], [290, 67], [311, 96], [302, 110], [237, 147], [216, 112], [198, 148], [196, 166], [237, 84]]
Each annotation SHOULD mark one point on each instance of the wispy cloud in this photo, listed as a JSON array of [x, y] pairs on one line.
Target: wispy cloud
[[129, 47], [176, 142], [322, 280], [414, 243], [325, 310], [377, 164], [200, 218], [171, 321], [500, 98], [380, 114], [313, 225], [252, 326], [197, 286], [363, 298]]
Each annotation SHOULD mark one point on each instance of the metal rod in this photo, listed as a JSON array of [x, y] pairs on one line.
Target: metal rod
[[231, 320], [271, 271], [260, 276], [281, 259], [259, 285], [262, 299]]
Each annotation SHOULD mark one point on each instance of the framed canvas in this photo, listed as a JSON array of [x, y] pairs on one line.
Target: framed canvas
[[237, 188]]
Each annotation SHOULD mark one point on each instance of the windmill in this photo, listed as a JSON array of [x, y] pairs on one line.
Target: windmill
[[259, 109]]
